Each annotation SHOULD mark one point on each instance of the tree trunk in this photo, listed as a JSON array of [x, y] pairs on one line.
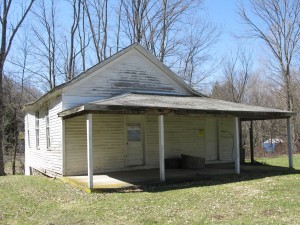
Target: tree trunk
[[6, 43], [15, 145], [1, 120]]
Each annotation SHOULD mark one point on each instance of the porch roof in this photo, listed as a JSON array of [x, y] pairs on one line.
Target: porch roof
[[156, 104]]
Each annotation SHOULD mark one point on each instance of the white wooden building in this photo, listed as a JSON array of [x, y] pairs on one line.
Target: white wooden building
[[131, 112]]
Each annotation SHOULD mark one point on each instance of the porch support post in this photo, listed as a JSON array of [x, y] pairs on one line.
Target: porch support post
[[237, 145], [251, 142], [161, 147], [290, 143], [89, 134]]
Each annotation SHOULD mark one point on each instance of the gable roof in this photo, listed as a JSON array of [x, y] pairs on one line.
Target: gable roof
[[180, 105], [136, 46]]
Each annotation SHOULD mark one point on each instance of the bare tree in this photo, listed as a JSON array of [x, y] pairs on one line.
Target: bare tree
[[70, 43], [197, 44], [119, 13], [96, 12], [237, 70], [17, 93], [135, 12], [46, 43], [9, 30], [82, 39], [156, 24], [171, 12], [276, 23]]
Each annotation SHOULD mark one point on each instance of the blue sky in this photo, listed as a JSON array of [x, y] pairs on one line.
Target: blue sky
[[224, 14]]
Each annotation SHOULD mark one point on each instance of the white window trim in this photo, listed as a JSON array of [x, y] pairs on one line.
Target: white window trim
[[48, 137], [28, 132], [37, 129]]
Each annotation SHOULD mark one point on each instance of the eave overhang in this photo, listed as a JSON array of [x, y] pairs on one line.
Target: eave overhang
[[140, 104]]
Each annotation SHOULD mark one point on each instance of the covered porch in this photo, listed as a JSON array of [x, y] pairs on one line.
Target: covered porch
[[161, 106], [135, 179]]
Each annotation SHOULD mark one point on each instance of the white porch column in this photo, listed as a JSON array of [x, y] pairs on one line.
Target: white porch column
[[27, 170], [290, 142], [237, 145], [161, 147], [89, 134]]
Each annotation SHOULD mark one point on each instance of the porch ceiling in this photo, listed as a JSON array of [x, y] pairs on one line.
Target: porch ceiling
[[154, 104]]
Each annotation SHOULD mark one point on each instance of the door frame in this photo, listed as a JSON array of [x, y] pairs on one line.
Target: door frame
[[135, 119]]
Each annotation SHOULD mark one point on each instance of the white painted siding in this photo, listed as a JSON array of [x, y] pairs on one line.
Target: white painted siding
[[151, 141], [226, 138], [29, 139], [211, 139], [182, 136], [130, 72], [48, 161], [108, 144], [76, 146]]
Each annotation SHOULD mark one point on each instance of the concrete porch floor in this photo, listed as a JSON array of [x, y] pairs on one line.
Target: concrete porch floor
[[130, 179], [133, 178]]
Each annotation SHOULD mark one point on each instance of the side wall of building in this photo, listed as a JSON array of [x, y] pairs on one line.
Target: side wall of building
[[46, 159]]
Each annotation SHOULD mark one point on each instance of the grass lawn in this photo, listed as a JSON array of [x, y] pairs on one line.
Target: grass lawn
[[231, 199]]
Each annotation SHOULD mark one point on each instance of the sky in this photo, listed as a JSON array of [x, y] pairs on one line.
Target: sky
[[224, 14]]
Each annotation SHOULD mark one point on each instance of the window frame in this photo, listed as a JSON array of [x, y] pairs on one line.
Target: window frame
[[47, 123], [134, 132], [37, 129], [28, 131]]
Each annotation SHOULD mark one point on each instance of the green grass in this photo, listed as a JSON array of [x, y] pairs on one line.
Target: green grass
[[244, 199], [281, 161]]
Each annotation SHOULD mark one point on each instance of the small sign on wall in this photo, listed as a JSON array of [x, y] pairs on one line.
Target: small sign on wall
[[201, 132]]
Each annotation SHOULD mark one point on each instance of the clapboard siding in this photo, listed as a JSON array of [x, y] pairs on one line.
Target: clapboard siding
[[46, 160], [108, 144], [109, 153], [131, 72], [55, 125], [226, 138], [75, 146], [152, 153], [181, 137], [29, 139]]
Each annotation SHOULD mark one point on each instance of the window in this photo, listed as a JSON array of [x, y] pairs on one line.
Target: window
[[47, 129], [28, 133], [134, 132], [37, 129]]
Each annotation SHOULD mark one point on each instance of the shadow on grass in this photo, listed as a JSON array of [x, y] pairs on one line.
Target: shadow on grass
[[248, 172]]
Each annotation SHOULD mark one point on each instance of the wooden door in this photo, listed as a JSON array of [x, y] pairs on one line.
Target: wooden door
[[134, 142]]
